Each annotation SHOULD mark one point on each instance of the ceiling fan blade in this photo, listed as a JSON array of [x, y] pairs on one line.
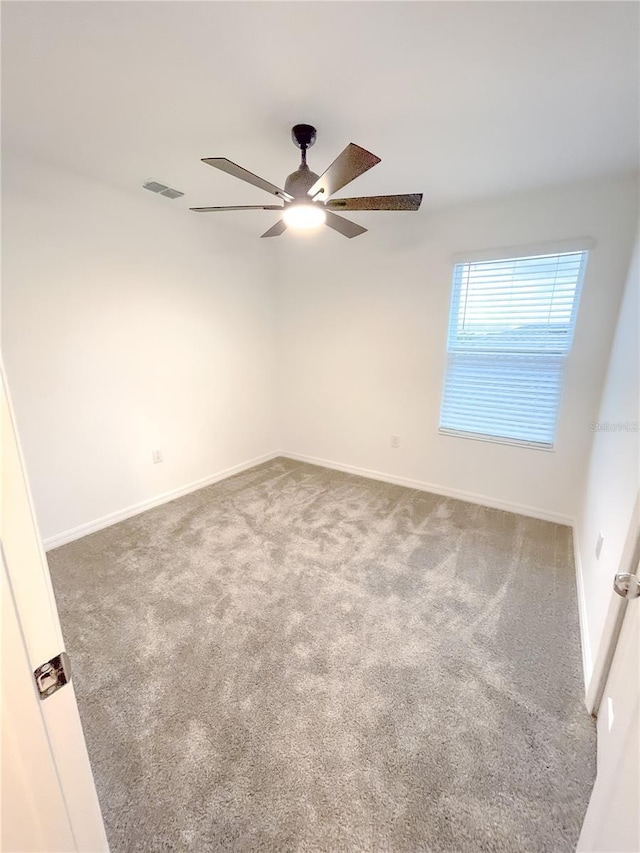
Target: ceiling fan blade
[[276, 230], [238, 172], [237, 207], [345, 226], [351, 163], [410, 201]]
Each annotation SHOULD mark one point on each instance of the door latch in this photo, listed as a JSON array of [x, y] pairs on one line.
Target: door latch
[[627, 585], [53, 675]]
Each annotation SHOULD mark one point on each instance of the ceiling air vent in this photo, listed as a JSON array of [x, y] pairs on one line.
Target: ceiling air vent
[[163, 189], [169, 193]]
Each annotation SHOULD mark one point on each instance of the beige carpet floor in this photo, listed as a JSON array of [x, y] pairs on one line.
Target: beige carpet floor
[[296, 659]]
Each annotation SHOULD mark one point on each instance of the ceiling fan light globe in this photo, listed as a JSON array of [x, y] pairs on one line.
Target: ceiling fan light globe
[[304, 216]]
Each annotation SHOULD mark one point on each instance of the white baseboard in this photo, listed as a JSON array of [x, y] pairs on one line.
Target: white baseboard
[[120, 515], [585, 644], [471, 497]]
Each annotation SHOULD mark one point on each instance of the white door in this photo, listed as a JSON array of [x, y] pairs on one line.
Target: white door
[[49, 801], [34, 815], [612, 822]]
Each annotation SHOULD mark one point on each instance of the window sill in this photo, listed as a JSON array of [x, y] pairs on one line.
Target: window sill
[[514, 442]]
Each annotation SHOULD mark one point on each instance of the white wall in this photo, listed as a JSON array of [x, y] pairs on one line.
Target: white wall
[[363, 330], [129, 324], [614, 470]]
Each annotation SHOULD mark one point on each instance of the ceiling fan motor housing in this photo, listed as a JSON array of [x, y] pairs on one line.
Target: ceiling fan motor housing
[[300, 181]]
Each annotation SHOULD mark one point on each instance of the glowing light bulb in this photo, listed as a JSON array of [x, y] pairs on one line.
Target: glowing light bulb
[[302, 215]]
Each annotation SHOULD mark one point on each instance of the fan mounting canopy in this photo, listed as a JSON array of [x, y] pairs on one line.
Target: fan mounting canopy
[[303, 135]]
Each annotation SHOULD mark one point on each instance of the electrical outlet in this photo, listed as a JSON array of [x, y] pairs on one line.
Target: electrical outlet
[[599, 544], [156, 455], [395, 441]]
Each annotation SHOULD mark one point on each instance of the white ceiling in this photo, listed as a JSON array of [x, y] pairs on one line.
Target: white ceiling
[[460, 100]]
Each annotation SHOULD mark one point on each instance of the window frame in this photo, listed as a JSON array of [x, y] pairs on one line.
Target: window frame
[[583, 246]]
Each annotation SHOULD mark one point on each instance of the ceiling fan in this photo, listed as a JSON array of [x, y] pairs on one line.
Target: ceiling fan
[[306, 197]]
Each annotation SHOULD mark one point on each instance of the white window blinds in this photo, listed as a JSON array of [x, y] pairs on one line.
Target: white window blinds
[[510, 330]]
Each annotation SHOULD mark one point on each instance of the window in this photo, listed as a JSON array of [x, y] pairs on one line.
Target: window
[[510, 331]]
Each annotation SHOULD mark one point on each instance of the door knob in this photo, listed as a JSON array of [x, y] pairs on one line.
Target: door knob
[[627, 585]]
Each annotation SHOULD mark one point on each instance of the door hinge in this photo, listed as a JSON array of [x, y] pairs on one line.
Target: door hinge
[[627, 585], [53, 675]]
